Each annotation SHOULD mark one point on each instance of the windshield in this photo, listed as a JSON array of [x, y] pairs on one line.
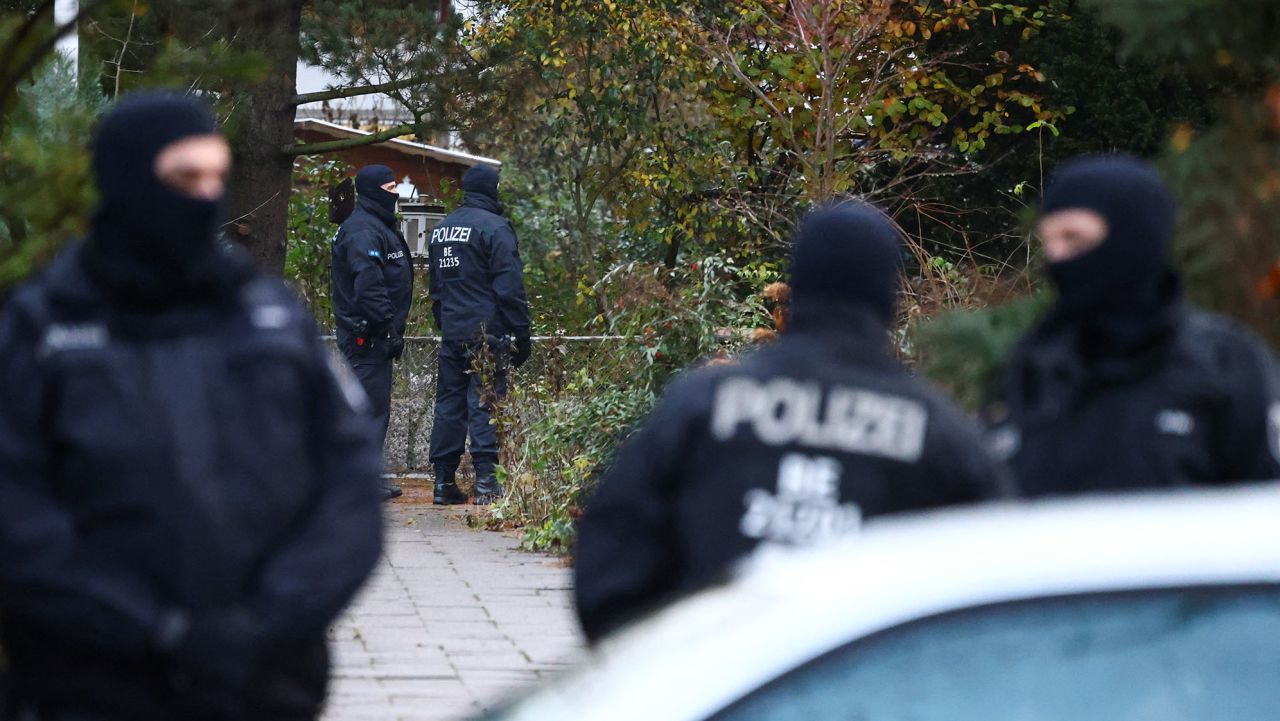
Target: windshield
[[1178, 655]]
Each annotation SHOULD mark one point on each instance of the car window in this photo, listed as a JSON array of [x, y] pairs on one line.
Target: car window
[[1178, 655]]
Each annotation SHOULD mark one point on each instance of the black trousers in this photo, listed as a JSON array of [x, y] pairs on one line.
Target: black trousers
[[459, 410], [375, 377]]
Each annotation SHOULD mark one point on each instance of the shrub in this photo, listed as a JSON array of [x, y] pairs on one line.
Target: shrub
[[308, 260], [561, 426]]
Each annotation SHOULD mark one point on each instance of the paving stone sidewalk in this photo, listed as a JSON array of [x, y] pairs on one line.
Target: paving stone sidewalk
[[454, 622]]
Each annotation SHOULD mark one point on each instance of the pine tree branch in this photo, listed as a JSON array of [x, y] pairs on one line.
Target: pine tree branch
[[333, 146], [355, 91]]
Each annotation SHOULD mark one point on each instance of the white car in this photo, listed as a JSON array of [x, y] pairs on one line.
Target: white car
[[1151, 607]]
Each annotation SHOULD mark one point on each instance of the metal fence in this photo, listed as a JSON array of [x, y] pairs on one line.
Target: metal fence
[[555, 360]]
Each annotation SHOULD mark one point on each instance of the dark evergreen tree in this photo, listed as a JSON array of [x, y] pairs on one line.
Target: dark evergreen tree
[[243, 54]]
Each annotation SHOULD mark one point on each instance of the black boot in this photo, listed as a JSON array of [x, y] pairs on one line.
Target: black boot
[[447, 491], [487, 489], [390, 491]]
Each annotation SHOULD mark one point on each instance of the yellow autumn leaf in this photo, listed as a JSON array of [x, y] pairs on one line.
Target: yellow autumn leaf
[[1182, 137]]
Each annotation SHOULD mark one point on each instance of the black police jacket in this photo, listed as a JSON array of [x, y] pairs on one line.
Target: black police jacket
[[476, 275], [372, 283], [794, 445], [1200, 407], [188, 498]]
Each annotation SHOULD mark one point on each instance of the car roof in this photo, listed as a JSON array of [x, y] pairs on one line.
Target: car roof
[[784, 607]]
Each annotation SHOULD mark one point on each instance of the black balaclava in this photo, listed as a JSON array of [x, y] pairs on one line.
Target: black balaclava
[[372, 196], [481, 179], [848, 253], [1122, 294], [150, 244]]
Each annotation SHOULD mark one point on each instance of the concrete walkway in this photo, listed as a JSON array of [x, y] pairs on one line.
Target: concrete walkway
[[455, 621]]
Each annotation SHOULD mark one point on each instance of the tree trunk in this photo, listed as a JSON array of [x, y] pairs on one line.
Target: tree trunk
[[262, 178]]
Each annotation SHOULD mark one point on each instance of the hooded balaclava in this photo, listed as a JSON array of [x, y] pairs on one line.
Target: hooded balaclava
[[372, 196], [1119, 294], [481, 179], [149, 243], [847, 254]]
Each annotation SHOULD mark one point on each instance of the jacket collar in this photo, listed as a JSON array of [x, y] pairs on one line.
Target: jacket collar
[[472, 199], [1106, 359], [1049, 372], [852, 330], [377, 211], [74, 289]]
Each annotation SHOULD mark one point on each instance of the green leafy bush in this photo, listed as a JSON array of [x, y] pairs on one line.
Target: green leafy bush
[[564, 431], [964, 351], [310, 251], [561, 425]]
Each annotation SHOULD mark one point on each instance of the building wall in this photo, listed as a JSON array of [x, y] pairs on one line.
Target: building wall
[[426, 173]]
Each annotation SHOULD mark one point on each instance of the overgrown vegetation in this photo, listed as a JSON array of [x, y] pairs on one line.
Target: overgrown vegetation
[[561, 425], [311, 234], [693, 128]]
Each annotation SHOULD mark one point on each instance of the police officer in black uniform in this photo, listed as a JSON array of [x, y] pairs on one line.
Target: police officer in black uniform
[[373, 290], [794, 445], [188, 489], [1124, 385], [480, 307]]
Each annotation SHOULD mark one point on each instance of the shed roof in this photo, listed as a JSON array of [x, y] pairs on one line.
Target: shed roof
[[408, 147]]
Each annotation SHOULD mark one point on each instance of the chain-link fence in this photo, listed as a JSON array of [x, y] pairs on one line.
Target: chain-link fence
[[554, 362]]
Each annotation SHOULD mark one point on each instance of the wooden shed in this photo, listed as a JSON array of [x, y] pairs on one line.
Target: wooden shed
[[425, 165]]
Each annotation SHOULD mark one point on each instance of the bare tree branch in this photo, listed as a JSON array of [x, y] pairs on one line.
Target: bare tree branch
[[333, 146], [124, 49], [356, 91]]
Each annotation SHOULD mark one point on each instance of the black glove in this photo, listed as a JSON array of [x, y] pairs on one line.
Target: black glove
[[216, 660], [395, 347], [520, 350]]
